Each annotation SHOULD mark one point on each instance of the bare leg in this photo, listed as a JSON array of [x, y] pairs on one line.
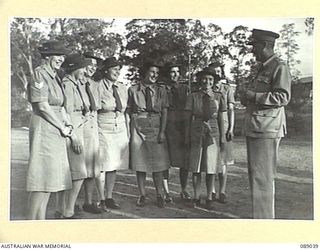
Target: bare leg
[[223, 179], [214, 184], [196, 181], [71, 197], [210, 185], [43, 208], [100, 183], [141, 179], [183, 174], [88, 190], [158, 182], [60, 201], [37, 202], [165, 181], [110, 181]]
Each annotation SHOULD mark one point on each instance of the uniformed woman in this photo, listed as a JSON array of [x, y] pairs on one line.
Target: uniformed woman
[[175, 130], [113, 129], [79, 111], [204, 133], [148, 105], [48, 169], [226, 149], [91, 136]]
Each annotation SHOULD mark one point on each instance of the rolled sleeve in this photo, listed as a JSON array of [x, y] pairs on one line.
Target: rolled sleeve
[[222, 104]]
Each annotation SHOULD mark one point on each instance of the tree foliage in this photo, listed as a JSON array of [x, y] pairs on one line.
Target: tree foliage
[[289, 48], [309, 22], [167, 40], [188, 42], [26, 35]]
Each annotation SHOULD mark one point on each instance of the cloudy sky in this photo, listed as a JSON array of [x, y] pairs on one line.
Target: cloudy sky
[[305, 42]]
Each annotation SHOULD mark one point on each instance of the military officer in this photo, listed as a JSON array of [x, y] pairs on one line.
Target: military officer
[[265, 123]]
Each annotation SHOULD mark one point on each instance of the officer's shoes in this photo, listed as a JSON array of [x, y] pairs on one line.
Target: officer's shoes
[[92, 208], [222, 198]]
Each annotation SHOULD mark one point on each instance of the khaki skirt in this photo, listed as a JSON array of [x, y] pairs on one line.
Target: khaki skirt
[[147, 155], [204, 148], [175, 131], [48, 169], [77, 161], [113, 142], [91, 146]]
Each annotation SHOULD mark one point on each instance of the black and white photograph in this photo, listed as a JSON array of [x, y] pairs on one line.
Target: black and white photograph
[[183, 118]]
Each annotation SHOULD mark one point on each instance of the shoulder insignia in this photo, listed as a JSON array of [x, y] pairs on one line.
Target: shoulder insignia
[[38, 85]]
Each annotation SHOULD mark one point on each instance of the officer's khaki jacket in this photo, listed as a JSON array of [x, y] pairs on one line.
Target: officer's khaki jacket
[[265, 116]]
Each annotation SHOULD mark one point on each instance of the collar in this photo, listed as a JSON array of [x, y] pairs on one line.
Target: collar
[[269, 60], [143, 86], [72, 79], [84, 81], [52, 73], [109, 84]]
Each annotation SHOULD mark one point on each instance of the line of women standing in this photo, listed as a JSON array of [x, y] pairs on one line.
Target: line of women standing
[[85, 127]]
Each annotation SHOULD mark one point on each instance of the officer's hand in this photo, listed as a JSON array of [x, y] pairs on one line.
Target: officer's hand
[[250, 95], [76, 145], [161, 137], [229, 135]]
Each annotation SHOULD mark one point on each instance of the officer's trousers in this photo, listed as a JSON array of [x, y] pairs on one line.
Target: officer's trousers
[[262, 156]]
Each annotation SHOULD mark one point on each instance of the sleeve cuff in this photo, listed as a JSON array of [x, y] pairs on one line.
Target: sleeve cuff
[[258, 97], [38, 99]]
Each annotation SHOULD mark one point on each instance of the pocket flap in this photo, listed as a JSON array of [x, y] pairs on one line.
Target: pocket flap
[[267, 112]]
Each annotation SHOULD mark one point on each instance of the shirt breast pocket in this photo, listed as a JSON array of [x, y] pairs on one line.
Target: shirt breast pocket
[[268, 120], [263, 84]]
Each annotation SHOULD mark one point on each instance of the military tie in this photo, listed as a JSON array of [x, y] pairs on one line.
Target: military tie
[[148, 100], [63, 93], [85, 107], [117, 98], [206, 107], [93, 106]]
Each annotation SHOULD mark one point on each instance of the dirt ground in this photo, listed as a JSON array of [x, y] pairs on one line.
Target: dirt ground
[[294, 187]]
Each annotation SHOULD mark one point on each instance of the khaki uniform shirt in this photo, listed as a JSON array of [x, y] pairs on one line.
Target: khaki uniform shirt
[[74, 102], [106, 100], [46, 87], [182, 93], [265, 116], [137, 100]]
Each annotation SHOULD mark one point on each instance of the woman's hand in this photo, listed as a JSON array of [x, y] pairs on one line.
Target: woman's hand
[[229, 135], [67, 131], [76, 145], [161, 137]]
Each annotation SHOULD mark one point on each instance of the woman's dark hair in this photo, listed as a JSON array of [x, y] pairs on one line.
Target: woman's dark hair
[[98, 75]]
